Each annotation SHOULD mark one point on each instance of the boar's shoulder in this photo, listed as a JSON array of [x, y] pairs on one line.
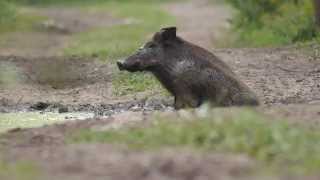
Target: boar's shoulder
[[207, 58]]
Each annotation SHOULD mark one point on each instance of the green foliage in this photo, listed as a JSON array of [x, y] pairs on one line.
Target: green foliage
[[272, 22], [11, 19], [7, 12], [252, 10], [64, 2], [224, 130]]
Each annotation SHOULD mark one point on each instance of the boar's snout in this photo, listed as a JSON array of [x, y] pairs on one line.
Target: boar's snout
[[121, 65], [130, 64]]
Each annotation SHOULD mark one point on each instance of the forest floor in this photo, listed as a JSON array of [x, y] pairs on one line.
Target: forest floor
[[286, 80]]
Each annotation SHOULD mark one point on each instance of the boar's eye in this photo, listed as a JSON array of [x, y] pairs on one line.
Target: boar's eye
[[151, 45]]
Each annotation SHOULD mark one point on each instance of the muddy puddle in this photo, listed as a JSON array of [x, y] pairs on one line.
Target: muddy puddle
[[9, 121], [41, 113]]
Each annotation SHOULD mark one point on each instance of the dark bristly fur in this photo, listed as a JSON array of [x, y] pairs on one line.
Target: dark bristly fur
[[190, 73]]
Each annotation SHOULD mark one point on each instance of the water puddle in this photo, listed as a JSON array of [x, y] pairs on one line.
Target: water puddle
[[37, 119]]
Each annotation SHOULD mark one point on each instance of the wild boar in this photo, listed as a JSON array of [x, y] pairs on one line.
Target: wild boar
[[190, 73]]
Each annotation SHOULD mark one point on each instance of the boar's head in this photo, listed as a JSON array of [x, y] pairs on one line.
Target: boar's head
[[151, 54]]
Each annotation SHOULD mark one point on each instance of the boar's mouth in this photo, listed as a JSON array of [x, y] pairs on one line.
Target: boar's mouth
[[120, 66], [131, 68]]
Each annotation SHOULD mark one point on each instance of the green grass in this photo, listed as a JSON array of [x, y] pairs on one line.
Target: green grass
[[14, 18], [120, 41], [274, 143], [127, 83], [19, 171], [108, 43], [7, 12], [23, 21]]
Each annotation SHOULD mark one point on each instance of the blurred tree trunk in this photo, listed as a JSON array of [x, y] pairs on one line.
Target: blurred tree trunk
[[317, 11]]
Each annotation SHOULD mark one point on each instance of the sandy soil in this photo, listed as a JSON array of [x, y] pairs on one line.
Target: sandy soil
[[286, 80]]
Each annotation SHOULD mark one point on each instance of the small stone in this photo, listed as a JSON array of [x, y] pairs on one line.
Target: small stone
[[40, 106], [121, 120], [299, 80], [63, 110], [15, 130], [135, 108]]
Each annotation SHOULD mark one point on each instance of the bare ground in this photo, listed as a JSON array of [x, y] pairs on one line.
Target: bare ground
[[202, 27], [285, 79]]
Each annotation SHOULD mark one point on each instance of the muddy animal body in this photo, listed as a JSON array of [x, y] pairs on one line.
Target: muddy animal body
[[190, 73]]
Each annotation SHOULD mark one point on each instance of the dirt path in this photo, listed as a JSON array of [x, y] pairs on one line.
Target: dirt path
[[201, 22], [286, 80]]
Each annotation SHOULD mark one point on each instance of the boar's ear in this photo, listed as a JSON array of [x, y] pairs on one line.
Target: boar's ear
[[168, 33]]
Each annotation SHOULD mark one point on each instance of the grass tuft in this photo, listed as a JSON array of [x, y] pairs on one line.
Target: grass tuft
[[127, 83], [7, 12], [15, 18], [275, 143], [19, 171]]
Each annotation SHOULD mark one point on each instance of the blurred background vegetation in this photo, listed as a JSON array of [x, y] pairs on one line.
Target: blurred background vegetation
[[257, 23], [274, 22], [7, 12]]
